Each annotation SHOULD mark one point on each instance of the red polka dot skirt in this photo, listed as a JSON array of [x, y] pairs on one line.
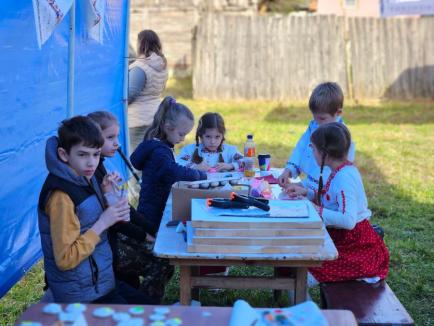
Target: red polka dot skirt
[[362, 253]]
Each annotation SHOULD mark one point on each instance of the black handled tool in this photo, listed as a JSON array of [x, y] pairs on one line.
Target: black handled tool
[[238, 201], [225, 203], [260, 203]]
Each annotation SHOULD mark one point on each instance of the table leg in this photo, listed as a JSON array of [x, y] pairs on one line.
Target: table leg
[[277, 294], [195, 292], [300, 285], [185, 285]]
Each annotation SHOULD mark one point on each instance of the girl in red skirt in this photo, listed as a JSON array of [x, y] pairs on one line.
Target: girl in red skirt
[[343, 206]]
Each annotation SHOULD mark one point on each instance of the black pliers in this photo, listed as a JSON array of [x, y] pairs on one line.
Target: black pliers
[[239, 201]]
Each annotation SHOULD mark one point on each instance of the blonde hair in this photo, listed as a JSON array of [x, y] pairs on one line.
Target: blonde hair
[[104, 119], [168, 112]]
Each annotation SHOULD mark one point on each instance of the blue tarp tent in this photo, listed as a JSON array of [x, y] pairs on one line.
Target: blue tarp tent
[[38, 89]]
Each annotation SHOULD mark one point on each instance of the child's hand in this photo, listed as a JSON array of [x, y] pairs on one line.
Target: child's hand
[[110, 180], [283, 178], [224, 166], [119, 212], [202, 167], [294, 190]]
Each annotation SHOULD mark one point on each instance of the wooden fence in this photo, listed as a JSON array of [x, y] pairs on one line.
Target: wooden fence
[[284, 57]]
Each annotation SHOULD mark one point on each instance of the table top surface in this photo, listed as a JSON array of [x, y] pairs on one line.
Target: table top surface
[[187, 314], [170, 244]]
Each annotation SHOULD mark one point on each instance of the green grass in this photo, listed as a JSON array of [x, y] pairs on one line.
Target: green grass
[[394, 151]]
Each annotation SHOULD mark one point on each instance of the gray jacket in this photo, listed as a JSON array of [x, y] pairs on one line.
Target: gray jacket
[[93, 277]]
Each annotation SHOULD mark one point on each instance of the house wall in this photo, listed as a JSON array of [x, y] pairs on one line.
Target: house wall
[[362, 8]]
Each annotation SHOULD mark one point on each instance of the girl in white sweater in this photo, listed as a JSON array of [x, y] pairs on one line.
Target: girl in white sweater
[[210, 153], [343, 206]]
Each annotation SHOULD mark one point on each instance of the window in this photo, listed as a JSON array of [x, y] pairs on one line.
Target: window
[[350, 3]]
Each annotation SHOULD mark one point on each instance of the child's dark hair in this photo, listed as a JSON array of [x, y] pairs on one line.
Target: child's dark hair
[[168, 112], [210, 120], [79, 130], [326, 98], [333, 140], [148, 42], [104, 119]]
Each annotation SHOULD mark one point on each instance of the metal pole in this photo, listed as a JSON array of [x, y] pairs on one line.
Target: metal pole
[[125, 85], [71, 62]]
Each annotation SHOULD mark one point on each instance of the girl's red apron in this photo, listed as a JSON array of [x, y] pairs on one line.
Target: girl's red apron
[[362, 253]]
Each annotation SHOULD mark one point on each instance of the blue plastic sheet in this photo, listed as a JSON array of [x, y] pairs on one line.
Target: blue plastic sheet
[[33, 100]]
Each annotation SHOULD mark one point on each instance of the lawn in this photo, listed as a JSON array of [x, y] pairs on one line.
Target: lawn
[[394, 152]]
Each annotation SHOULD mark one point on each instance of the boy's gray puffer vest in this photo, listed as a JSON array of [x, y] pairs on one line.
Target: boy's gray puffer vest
[[93, 277]]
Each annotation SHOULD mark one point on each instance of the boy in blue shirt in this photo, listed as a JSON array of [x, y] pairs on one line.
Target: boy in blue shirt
[[326, 105]]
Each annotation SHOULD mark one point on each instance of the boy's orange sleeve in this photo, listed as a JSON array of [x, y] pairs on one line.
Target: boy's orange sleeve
[[69, 246]]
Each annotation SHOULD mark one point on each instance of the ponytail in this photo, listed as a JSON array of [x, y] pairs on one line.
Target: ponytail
[[320, 182], [196, 159], [168, 113]]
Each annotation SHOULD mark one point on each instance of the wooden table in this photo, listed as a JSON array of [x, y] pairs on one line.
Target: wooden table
[[198, 316], [172, 245]]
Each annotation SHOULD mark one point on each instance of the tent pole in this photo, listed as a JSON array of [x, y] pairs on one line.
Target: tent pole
[[71, 62], [125, 85]]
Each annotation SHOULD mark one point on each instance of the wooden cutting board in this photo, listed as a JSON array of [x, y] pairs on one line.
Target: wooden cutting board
[[301, 214]]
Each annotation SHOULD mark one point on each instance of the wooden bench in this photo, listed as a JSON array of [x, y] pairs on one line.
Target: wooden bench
[[372, 304]]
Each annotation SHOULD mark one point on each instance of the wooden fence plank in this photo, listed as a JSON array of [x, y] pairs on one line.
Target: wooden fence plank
[[283, 57]]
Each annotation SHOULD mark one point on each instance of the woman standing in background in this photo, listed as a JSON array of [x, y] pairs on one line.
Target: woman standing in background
[[147, 80]]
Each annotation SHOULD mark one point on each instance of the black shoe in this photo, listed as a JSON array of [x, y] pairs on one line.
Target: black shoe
[[379, 230]]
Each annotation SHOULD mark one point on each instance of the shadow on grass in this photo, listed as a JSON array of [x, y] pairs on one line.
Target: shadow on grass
[[412, 83], [391, 113]]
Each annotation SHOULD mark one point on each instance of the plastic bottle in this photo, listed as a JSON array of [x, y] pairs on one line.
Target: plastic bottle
[[249, 147], [249, 154]]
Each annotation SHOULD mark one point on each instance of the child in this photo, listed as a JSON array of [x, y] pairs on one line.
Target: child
[[73, 221], [109, 125], [155, 158], [131, 246], [343, 207], [325, 104], [211, 153]]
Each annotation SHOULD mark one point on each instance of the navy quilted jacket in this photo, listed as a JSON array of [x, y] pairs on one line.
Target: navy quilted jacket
[[160, 171]]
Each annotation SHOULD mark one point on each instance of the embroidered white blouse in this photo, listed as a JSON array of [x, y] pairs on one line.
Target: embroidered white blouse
[[344, 201], [230, 154], [303, 161]]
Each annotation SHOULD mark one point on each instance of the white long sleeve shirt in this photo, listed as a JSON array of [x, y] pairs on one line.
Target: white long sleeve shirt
[[303, 161], [230, 154], [344, 201]]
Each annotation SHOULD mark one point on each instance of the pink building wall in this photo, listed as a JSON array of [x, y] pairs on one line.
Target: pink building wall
[[366, 8]]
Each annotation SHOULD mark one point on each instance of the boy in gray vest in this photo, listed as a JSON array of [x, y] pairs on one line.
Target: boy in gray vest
[[73, 221]]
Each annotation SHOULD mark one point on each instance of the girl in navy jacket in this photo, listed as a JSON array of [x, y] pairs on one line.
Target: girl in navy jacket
[[155, 158]]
